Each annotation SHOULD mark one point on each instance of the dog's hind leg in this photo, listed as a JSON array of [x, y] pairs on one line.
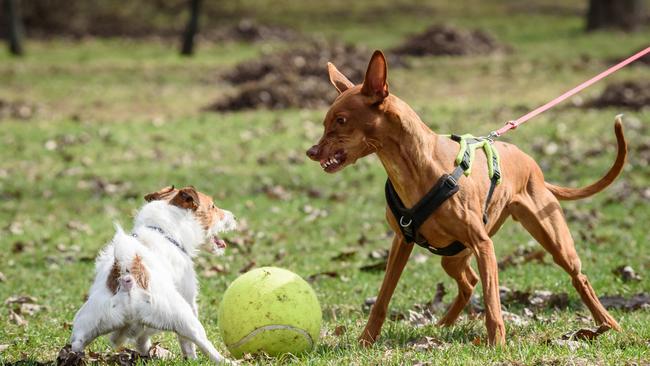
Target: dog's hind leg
[[540, 213], [459, 269], [118, 337], [187, 347], [180, 319], [90, 322]]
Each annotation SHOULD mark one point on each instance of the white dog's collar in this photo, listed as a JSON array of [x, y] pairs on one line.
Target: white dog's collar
[[164, 234]]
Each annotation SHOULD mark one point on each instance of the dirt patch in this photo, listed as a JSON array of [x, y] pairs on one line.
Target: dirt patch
[[16, 109], [627, 94], [248, 30], [439, 40], [295, 78]]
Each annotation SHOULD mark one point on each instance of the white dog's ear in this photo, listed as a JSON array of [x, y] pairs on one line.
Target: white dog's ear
[[186, 198], [161, 194]]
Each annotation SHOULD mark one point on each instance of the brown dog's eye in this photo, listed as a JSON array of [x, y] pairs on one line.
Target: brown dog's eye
[[340, 120]]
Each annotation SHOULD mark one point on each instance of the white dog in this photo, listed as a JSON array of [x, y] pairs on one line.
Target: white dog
[[145, 281]]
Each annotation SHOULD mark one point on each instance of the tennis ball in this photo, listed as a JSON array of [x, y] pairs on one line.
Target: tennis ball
[[269, 310]]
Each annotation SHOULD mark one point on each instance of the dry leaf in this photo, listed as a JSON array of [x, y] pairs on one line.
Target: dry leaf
[[3, 347], [426, 344], [317, 276], [247, 267], [158, 351], [3, 278], [340, 330], [375, 267], [16, 319], [587, 334], [68, 358], [345, 254], [627, 273]]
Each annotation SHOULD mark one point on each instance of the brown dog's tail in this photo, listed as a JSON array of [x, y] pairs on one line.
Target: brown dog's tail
[[564, 193]]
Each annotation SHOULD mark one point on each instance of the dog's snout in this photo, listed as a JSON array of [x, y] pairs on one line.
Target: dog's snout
[[313, 152]]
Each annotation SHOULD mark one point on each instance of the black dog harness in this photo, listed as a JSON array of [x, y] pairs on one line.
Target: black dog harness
[[410, 219]]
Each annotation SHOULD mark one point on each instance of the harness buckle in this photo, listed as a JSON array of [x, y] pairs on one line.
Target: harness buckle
[[402, 224], [451, 182]]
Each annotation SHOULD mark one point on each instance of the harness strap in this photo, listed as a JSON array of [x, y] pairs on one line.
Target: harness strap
[[410, 219]]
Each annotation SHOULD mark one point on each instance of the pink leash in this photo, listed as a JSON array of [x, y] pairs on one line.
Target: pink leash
[[513, 124]]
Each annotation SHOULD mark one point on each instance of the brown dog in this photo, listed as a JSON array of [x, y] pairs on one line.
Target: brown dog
[[366, 119]]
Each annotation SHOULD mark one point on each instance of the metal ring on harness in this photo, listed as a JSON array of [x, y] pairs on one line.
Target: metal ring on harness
[[402, 224]]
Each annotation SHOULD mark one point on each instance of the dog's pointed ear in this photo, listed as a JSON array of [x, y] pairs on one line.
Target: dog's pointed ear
[[374, 84], [340, 82], [159, 195], [186, 198]]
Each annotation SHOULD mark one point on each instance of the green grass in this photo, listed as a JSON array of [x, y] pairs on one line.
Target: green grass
[[128, 112]]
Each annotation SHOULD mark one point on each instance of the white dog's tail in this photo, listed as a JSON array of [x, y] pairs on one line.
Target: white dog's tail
[[123, 246]]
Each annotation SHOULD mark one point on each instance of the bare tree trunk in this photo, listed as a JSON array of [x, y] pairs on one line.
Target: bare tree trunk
[[191, 29], [620, 14], [14, 27]]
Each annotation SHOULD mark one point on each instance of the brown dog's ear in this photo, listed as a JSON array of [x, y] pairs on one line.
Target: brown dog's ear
[[161, 194], [340, 82], [186, 198], [374, 84]]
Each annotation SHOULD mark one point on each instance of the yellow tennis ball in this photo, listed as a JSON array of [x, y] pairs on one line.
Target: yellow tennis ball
[[269, 310]]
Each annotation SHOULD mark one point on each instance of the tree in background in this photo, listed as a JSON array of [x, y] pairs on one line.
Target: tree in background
[[14, 26], [621, 14], [187, 47]]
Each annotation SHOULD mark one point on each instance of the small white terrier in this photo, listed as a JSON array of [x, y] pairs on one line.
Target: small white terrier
[[145, 281]]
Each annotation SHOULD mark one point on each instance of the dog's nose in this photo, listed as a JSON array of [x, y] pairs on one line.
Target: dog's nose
[[313, 152]]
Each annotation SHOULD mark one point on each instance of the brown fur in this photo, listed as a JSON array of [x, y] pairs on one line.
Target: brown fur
[[366, 119], [189, 198], [113, 278], [140, 273]]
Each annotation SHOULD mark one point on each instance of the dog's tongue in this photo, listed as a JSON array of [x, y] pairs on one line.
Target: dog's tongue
[[220, 243]]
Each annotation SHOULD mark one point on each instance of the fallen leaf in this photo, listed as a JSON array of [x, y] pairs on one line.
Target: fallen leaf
[[378, 254], [627, 273], [427, 343], [214, 270], [374, 267], [587, 334], [3, 347], [339, 330], [68, 358], [522, 255], [16, 319], [158, 351], [476, 341], [314, 277], [247, 267], [568, 343], [280, 254], [3, 278], [276, 192], [345, 254], [20, 299], [513, 318]]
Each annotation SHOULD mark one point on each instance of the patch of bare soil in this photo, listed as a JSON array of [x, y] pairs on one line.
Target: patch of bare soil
[[16, 109], [631, 94], [439, 40], [248, 30], [295, 78]]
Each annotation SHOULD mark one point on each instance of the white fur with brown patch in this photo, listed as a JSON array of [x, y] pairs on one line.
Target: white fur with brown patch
[[144, 283]]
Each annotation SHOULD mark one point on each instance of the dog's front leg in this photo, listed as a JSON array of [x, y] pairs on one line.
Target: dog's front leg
[[399, 255], [487, 265]]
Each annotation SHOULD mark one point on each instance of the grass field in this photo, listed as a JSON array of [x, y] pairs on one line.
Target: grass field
[[116, 119]]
